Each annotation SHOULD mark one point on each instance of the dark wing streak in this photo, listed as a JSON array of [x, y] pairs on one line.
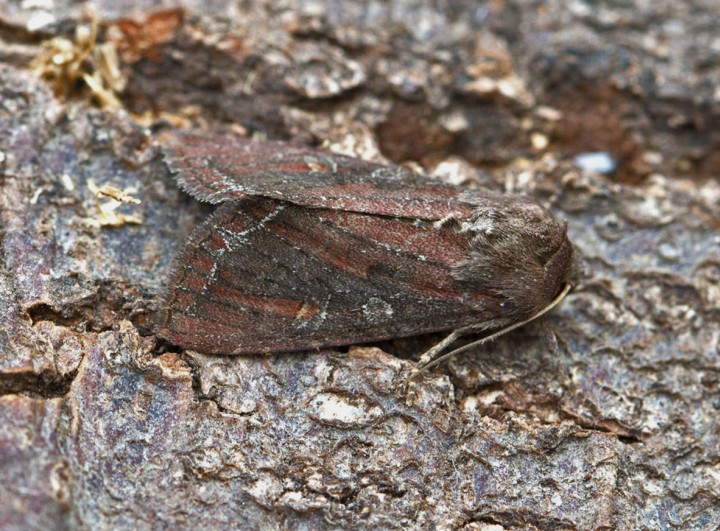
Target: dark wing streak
[[297, 239], [199, 244], [207, 167], [383, 284], [208, 294], [229, 163], [209, 328]]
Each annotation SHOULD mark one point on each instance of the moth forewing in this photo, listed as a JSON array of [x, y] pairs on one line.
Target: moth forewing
[[310, 249]]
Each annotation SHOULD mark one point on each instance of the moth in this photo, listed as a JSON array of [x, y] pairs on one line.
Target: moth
[[312, 249]]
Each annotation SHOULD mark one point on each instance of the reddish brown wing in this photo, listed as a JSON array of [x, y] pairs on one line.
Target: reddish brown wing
[[264, 275], [218, 167]]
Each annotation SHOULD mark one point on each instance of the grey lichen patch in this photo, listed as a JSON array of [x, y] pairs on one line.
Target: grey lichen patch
[[323, 71], [342, 410]]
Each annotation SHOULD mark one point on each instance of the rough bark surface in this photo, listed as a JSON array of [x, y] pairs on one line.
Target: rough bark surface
[[604, 416]]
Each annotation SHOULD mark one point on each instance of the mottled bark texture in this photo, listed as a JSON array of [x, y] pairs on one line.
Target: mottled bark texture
[[604, 416]]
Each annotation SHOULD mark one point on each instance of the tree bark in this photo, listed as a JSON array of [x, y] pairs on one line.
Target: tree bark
[[603, 416]]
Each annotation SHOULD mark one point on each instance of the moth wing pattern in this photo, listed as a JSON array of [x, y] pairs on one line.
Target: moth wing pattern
[[263, 275], [311, 249], [217, 167]]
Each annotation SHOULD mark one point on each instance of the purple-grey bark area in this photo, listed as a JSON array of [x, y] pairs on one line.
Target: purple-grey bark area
[[602, 416]]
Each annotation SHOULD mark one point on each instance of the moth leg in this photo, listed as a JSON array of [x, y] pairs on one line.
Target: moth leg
[[432, 357], [435, 351]]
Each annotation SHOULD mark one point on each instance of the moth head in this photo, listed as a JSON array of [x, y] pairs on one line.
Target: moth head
[[517, 252]]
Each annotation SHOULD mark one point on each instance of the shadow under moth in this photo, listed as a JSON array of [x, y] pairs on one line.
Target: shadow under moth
[[311, 249]]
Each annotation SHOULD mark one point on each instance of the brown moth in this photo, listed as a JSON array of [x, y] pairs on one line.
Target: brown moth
[[312, 249]]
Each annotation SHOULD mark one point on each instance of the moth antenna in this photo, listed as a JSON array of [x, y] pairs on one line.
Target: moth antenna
[[429, 359]]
